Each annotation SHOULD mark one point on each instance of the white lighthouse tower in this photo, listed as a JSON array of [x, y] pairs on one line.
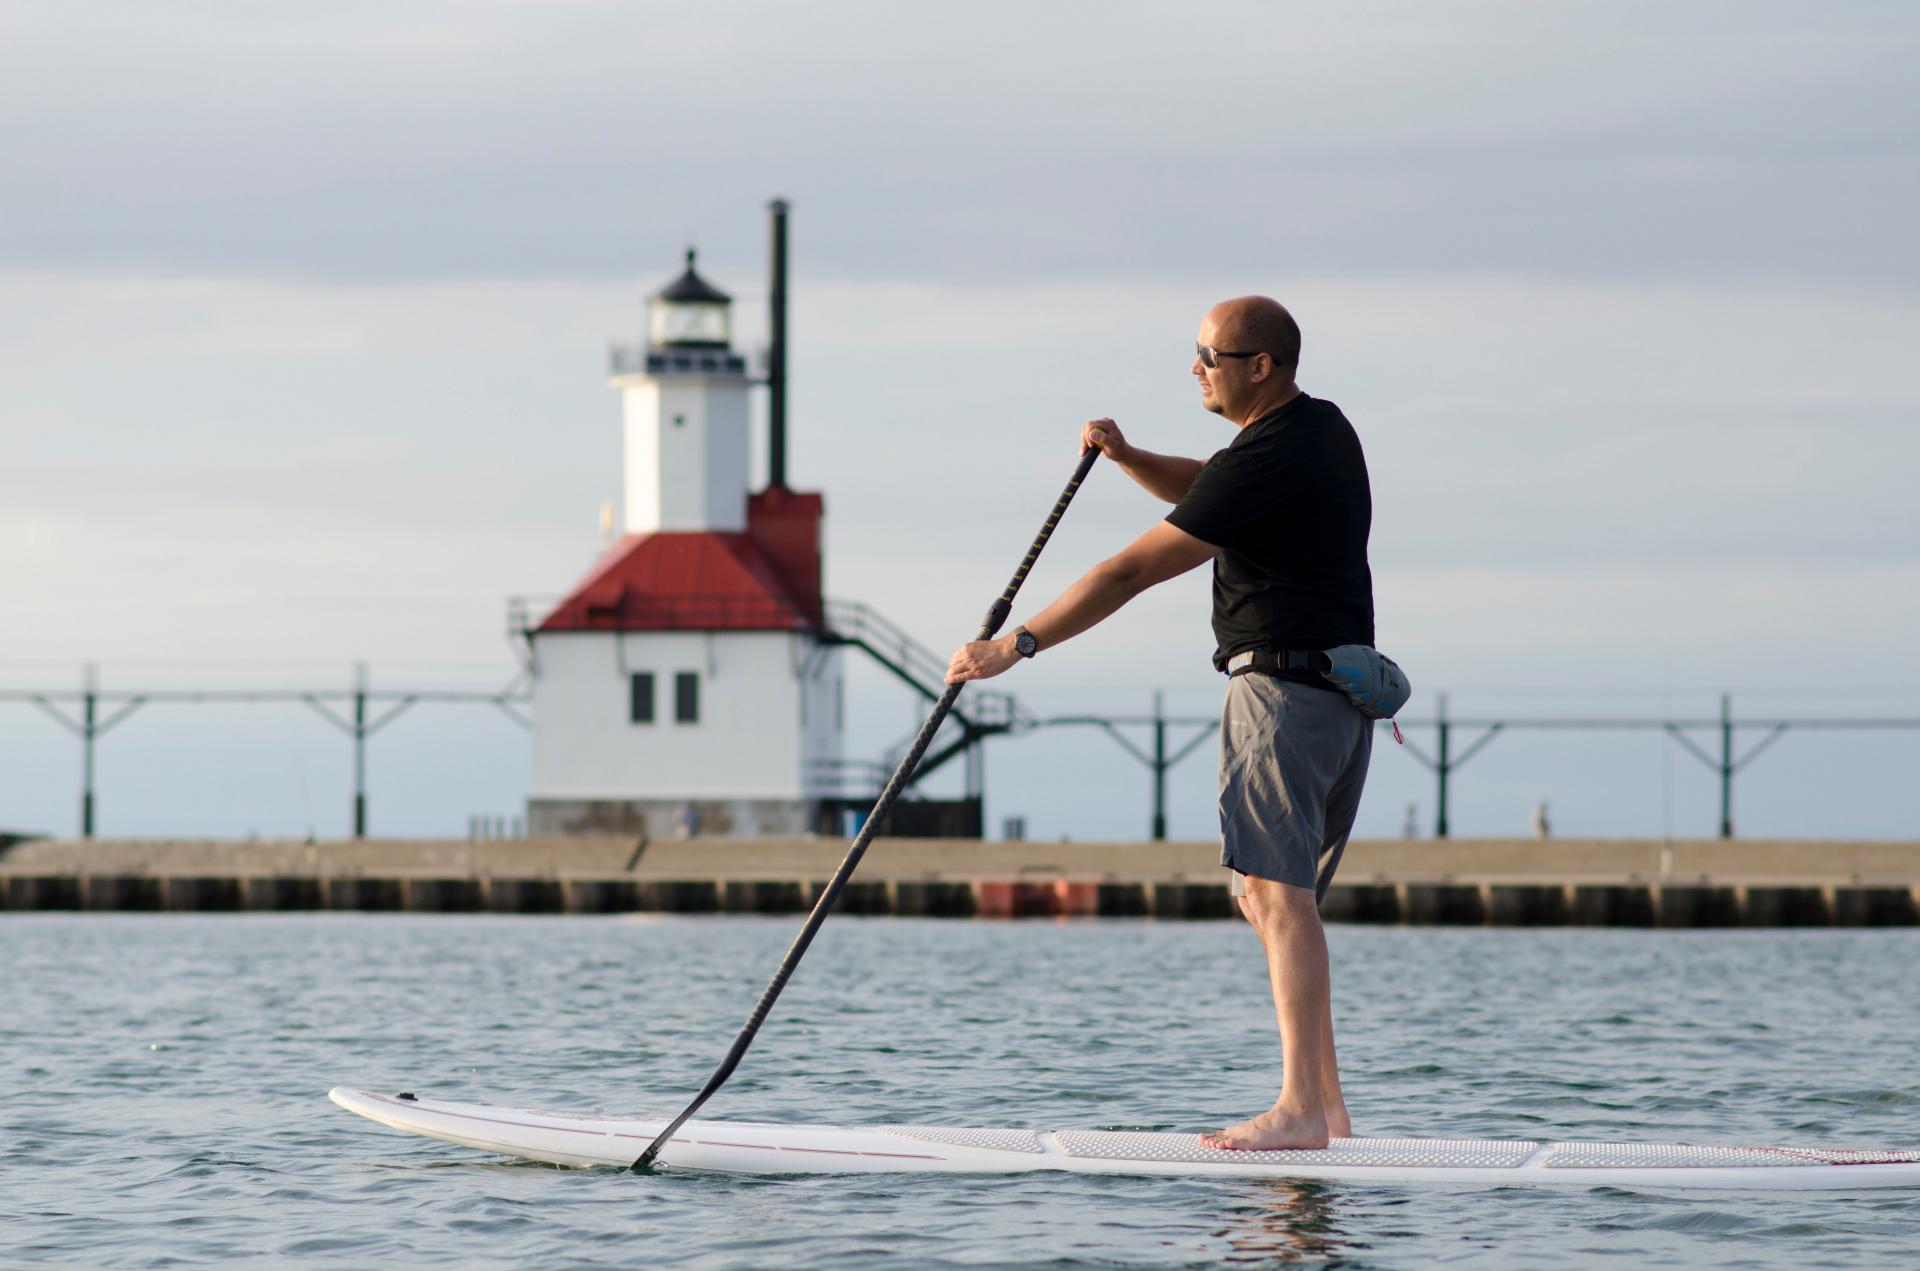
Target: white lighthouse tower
[[684, 687], [686, 414]]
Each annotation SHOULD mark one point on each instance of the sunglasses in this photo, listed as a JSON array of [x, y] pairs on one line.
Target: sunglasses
[[1210, 357]]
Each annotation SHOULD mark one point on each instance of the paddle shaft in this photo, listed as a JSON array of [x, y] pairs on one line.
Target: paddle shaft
[[996, 617]]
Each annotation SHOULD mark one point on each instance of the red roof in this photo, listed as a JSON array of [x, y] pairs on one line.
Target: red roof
[[685, 581]]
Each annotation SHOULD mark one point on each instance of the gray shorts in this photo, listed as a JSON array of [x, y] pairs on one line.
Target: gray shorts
[[1293, 760]]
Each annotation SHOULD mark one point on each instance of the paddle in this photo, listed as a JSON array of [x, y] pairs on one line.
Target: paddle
[[988, 629]]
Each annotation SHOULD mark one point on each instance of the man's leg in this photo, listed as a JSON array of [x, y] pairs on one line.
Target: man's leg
[[1309, 1107], [1339, 1124]]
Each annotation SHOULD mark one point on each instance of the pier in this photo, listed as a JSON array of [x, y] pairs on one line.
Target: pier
[[1498, 882]]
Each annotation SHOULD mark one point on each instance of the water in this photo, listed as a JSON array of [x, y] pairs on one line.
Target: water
[[164, 1081]]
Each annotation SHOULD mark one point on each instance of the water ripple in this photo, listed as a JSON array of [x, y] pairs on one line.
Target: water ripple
[[168, 1072]]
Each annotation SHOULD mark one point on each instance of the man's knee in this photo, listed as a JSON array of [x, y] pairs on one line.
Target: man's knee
[[1271, 904]]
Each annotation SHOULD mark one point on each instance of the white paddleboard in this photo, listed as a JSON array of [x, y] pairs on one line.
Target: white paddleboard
[[745, 1147]]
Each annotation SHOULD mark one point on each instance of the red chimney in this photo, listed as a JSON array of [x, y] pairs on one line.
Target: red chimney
[[785, 527]]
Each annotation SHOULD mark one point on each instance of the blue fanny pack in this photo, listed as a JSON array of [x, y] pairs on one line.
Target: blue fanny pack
[[1372, 681]]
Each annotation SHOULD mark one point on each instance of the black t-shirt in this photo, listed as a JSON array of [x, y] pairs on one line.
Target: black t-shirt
[[1288, 501]]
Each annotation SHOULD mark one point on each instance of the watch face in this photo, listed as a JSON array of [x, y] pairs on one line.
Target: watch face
[[1025, 645]]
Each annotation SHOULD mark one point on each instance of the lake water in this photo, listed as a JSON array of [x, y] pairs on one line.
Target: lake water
[[164, 1085]]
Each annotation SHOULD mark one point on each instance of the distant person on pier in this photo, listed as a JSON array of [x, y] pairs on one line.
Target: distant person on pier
[[1283, 513]]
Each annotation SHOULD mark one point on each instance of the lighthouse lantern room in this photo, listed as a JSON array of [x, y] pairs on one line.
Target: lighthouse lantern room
[[684, 687]]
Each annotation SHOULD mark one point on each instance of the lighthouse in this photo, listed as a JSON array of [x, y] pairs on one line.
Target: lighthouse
[[686, 684]]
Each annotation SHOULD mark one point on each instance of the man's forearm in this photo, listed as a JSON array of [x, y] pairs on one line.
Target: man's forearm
[[1098, 595], [1163, 552], [1163, 476]]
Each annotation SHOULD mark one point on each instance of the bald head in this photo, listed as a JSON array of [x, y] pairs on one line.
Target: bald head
[[1260, 325], [1254, 352]]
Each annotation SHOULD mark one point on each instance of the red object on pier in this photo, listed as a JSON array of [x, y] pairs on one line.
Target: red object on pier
[[1035, 898]]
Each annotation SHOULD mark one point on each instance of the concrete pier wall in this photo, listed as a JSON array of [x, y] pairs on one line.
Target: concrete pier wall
[[1489, 882]]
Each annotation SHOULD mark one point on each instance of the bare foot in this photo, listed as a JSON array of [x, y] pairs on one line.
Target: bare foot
[[1273, 1129], [1339, 1125]]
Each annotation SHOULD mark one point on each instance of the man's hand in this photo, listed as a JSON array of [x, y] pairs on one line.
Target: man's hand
[[1165, 477], [981, 660], [1106, 435]]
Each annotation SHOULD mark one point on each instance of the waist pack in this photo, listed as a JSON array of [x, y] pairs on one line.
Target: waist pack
[[1372, 681]]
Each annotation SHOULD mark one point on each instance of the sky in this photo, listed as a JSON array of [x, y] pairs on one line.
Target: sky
[[304, 314]]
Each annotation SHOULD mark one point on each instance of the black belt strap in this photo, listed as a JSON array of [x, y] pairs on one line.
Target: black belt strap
[[1273, 661]]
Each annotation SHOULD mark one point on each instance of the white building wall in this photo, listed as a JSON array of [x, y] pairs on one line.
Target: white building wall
[[729, 428], [686, 452], [752, 741], [822, 718]]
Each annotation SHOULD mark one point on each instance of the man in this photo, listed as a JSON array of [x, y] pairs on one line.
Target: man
[[1283, 513]]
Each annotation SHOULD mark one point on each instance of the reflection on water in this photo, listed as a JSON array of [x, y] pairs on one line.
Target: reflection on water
[[1279, 1221]]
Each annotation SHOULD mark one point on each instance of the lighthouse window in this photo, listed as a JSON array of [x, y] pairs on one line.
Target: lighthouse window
[[641, 710], [686, 698]]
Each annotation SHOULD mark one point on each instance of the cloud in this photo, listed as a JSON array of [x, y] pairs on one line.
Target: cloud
[[998, 141], [1631, 452]]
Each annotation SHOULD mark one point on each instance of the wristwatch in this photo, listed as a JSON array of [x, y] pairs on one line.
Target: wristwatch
[[1024, 644]]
